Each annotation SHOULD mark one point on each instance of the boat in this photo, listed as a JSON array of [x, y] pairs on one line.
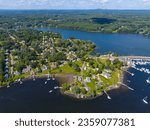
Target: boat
[[45, 82], [21, 82], [145, 100], [48, 79], [108, 97], [8, 86], [56, 87], [132, 74], [148, 80], [53, 78], [50, 91], [129, 81]]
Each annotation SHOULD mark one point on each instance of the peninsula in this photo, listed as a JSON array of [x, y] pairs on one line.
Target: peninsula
[[28, 53]]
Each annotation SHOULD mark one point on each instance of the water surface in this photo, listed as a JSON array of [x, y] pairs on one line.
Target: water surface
[[123, 44], [35, 97]]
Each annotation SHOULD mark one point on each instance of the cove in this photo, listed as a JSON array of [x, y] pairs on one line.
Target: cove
[[123, 44]]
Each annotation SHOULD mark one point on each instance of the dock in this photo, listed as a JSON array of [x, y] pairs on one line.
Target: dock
[[126, 86]]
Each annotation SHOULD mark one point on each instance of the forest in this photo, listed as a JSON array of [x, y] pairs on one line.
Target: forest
[[107, 21]]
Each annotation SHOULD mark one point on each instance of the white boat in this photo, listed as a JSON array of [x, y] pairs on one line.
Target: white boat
[[8, 86], [50, 91], [129, 81], [48, 79], [108, 97], [53, 78], [45, 82], [145, 100], [132, 74], [148, 80], [21, 82], [56, 87]]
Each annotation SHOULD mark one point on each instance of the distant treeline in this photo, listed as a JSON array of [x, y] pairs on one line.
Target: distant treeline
[[108, 21]]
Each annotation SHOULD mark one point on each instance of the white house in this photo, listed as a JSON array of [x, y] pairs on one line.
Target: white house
[[106, 75], [80, 78], [44, 68], [88, 79]]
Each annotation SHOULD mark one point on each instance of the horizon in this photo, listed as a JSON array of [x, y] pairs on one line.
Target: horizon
[[73, 9], [74, 4]]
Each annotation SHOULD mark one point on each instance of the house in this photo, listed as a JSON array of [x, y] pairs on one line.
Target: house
[[85, 68], [16, 73], [94, 76], [78, 59], [62, 65], [107, 71], [80, 78], [6, 60], [86, 88], [88, 79], [44, 67], [6, 76], [106, 75], [6, 70], [26, 70], [53, 65]]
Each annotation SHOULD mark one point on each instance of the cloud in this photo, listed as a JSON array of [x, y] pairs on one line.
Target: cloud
[[75, 4], [100, 1]]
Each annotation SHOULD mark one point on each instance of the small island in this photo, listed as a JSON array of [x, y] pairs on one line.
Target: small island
[[29, 53]]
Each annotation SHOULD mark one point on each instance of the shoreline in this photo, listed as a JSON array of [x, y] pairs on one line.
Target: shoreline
[[69, 78], [97, 31], [110, 88]]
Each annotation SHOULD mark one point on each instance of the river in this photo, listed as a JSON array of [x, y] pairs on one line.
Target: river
[[34, 96], [123, 44]]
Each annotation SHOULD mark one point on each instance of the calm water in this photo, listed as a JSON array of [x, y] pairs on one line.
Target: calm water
[[123, 44], [35, 97]]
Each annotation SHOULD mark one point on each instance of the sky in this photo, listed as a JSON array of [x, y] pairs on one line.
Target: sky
[[74, 4]]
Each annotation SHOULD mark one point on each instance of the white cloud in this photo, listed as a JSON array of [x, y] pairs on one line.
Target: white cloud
[[101, 1], [146, 0], [75, 4]]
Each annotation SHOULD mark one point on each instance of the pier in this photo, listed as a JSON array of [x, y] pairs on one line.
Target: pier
[[107, 95], [134, 58], [129, 72], [126, 86]]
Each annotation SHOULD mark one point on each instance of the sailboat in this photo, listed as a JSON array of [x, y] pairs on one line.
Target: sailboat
[[145, 100], [148, 80]]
